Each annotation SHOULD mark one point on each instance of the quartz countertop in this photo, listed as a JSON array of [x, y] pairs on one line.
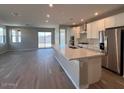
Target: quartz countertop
[[90, 46], [78, 53]]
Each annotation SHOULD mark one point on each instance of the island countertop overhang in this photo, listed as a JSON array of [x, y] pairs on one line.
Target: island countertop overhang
[[78, 53]]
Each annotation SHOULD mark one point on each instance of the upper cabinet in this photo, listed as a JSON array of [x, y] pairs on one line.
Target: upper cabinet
[[119, 19], [101, 25], [76, 32], [110, 22], [89, 29], [94, 26]]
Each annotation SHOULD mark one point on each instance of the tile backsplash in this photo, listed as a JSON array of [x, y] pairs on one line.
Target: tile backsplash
[[93, 41], [83, 38]]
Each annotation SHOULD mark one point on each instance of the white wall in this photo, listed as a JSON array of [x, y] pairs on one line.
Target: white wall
[[57, 35]]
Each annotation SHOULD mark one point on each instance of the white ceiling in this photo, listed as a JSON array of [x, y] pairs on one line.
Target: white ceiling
[[35, 15]]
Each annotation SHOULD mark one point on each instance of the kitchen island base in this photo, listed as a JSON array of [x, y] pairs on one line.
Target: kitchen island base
[[82, 72]]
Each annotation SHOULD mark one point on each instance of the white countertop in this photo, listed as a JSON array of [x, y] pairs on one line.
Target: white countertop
[[72, 54], [90, 46]]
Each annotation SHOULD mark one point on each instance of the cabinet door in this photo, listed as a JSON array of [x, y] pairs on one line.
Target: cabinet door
[[94, 27], [120, 19], [101, 26], [72, 31], [77, 32], [89, 34], [110, 22]]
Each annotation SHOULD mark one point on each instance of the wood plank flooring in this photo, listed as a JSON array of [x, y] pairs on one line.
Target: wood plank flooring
[[38, 69], [32, 70], [109, 80]]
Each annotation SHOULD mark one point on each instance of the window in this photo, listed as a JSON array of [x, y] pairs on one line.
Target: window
[[19, 36], [13, 36], [16, 36], [1, 35]]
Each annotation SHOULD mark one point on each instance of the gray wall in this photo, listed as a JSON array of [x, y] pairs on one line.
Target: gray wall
[[29, 37], [3, 47]]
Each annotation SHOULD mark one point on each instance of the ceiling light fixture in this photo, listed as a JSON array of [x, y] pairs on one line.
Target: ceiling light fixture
[[96, 14], [15, 14], [82, 20], [51, 5], [48, 16]]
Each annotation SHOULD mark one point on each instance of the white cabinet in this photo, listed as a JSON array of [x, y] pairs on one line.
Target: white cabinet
[[120, 19], [92, 30], [110, 22], [101, 25], [114, 21], [89, 34], [94, 26], [76, 32]]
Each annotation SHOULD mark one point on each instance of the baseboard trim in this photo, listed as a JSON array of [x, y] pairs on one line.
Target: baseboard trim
[[67, 73], [23, 50]]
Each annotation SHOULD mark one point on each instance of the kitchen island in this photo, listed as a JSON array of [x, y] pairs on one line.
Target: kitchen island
[[82, 66]]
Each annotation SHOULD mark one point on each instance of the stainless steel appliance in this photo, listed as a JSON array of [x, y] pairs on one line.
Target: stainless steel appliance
[[71, 41], [114, 51], [103, 41]]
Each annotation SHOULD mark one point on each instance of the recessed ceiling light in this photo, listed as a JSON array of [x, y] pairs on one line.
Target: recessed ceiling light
[[48, 15], [51, 5], [96, 14], [46, 21], [73, 23], [15, 14], [82, 20]]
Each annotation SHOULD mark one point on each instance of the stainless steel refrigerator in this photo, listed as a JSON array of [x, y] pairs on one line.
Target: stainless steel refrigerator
[[114, 50]]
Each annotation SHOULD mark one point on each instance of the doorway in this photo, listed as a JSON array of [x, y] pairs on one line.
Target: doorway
[[44, 39]]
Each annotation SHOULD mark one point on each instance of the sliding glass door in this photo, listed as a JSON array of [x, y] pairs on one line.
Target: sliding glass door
[[44, 39]]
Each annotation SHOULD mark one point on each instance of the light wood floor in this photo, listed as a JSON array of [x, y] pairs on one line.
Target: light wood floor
[[39, 70], [32, 69], [109, 80]]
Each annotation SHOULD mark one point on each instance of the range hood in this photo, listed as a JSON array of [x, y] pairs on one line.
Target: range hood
[[83, 29]]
